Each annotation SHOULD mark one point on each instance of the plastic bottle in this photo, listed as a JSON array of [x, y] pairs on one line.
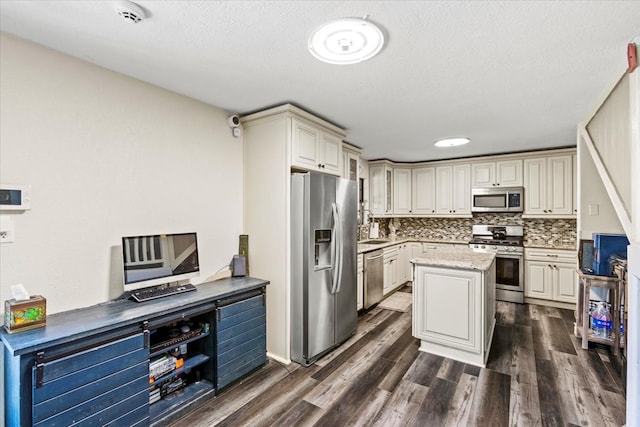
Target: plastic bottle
[[601, 321]]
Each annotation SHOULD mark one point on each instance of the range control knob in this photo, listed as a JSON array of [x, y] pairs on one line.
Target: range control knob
[[482, 247]]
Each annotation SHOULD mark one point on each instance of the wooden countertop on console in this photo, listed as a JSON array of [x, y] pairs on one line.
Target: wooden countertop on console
[[84, 322], [456, 258]]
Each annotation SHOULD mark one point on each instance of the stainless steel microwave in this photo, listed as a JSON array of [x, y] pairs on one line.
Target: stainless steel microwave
[[507, 199]]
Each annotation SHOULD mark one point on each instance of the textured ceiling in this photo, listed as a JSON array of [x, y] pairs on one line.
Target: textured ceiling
[[510, 75]]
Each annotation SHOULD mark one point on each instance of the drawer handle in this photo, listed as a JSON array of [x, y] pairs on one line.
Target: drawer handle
[[553, 256]]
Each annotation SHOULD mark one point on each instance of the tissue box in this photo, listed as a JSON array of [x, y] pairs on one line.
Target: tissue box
[[25, 314]]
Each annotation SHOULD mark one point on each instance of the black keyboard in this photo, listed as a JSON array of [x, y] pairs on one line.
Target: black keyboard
[[151, 293]]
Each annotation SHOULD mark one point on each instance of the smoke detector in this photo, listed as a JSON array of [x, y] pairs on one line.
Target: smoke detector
[[130, 12]]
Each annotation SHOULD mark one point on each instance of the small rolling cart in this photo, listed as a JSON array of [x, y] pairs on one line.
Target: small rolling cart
[[582, 329]]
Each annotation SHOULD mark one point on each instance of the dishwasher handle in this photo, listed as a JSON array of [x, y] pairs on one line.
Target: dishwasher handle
[[374, 257]]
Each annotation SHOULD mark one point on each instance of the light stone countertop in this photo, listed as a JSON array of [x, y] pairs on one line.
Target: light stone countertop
[[367, 247], [456, 258], [537, 244]]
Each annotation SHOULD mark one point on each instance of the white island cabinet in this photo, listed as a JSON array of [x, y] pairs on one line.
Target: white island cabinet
[[454, 304]]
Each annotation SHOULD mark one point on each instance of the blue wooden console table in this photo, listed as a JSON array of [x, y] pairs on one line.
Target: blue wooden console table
[[91, 365]]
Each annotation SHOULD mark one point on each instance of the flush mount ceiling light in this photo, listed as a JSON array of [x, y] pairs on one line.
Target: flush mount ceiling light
[[451, 142], [346, 41], [130, 12]]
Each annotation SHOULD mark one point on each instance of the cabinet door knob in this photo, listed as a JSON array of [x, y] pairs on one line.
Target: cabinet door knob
[[454, 211], [555, 266], [433, 211], [549, 265], [319, 165]]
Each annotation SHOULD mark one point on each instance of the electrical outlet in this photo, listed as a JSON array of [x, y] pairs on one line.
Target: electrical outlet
[[6, 237], [7, 234]]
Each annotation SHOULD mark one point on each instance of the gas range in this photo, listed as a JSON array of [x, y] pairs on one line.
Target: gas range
[[506, 242], [499, 239]]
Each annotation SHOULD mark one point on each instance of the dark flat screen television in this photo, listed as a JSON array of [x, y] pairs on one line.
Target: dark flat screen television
[[159, 259]]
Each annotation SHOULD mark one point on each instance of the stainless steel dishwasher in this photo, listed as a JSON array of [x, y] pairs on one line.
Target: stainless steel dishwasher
[[373, 278]]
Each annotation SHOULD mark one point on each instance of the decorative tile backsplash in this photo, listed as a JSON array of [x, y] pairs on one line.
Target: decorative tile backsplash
[[540, 232], [550, 232]]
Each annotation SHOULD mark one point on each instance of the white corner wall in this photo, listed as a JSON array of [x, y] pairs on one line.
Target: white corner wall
[[107, 156], [596, 212]]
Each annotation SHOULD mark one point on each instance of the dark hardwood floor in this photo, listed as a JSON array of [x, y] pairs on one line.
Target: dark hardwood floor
[[536, 374]]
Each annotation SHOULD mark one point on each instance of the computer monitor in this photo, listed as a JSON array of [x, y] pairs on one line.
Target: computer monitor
[[159, 259]]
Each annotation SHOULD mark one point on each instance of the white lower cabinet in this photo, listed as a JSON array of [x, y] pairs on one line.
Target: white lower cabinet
[[397, 267], [454, 312], [414, 250], [360, 282], [550, 275], [390, 269], [404, 273]]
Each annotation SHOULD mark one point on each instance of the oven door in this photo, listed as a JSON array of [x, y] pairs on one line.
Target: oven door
[[510, 277]]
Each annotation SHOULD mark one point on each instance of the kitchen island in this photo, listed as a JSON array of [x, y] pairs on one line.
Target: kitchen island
[[454, 303]]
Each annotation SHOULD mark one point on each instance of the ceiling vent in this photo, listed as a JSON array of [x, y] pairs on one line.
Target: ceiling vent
[[130, 12]]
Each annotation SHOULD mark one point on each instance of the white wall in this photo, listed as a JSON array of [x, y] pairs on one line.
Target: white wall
[[596, 213], [107, 156], [633, 332]]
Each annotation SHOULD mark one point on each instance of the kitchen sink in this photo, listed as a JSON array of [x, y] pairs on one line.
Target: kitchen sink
[[375, 241]]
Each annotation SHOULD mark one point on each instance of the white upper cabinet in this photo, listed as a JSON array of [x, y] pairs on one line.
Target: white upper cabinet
[[402, 191], [503, 173], [461, 190], [315, 149], [443, 188], [560, 193], [330, 153], [453, 190], [548, 186], [380, 189], [351, 163], [574, 178], [444, 182], [423, 188]]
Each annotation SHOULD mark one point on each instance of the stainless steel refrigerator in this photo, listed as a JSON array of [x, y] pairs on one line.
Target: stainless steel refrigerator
[[323, 264]]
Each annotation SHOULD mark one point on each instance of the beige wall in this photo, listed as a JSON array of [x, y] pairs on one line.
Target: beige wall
[[107, 156]]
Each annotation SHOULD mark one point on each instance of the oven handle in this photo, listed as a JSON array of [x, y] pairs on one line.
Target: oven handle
[[510, 256]]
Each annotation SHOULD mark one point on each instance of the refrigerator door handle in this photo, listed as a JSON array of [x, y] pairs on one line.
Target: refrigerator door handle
[[340, 249], [337, 249]]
